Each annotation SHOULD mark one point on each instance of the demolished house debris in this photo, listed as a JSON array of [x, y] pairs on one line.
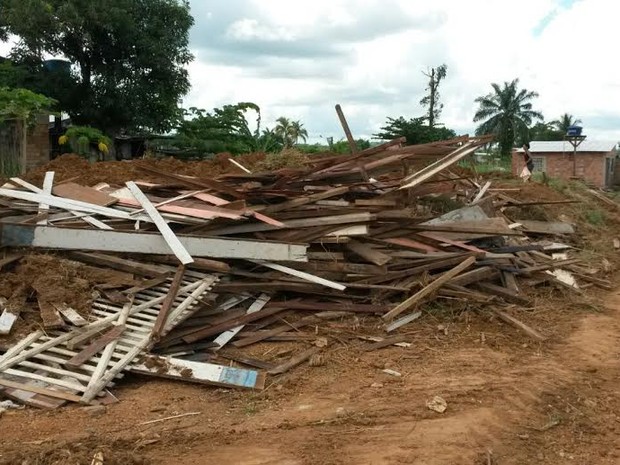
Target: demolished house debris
[[213, 266]]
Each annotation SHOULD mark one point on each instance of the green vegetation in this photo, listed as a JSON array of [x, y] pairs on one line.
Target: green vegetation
[[431, 100], [415, 130], [595, 217], [289, 132], [507, 113], [81, 138], [19, 109], [128, 58]]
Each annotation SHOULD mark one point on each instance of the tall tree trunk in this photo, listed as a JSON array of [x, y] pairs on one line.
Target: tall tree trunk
[[431, 109]]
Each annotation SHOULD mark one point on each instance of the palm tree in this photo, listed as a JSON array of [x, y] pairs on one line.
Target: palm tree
[[298, 132], [507, 113], [283, 130], [566, 120], [289, 131]]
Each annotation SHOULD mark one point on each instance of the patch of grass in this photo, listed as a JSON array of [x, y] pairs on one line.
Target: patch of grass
[[287, 158], [595, 217]]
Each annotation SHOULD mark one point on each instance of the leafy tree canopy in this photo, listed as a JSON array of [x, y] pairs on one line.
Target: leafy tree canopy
[[128, 57], [415, 130], [223, 129], [506, 112], [22, 104]]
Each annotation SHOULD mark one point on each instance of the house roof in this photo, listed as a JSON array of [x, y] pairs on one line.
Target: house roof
[[565, 146]]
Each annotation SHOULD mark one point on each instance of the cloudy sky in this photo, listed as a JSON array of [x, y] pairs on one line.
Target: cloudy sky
[[299, 58]]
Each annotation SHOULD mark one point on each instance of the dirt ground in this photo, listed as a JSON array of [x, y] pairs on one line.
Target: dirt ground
[[510, 401]]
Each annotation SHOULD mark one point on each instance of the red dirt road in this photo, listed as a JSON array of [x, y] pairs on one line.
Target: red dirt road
[[510, 402]]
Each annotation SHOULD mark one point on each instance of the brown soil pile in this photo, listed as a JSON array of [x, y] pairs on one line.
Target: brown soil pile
[[54, 280], [78, 453], [71, 166]]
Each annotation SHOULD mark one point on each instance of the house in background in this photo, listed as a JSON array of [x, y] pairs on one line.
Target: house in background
[[594, 163]]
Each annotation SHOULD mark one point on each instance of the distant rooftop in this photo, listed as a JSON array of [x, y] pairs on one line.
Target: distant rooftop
[[565, 146]]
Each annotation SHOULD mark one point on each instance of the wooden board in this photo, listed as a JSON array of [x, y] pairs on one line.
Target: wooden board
[[199, 372], [71, 190], [131, 242]]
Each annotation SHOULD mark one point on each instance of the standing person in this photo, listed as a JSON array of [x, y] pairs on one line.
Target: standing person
[[529, 162]]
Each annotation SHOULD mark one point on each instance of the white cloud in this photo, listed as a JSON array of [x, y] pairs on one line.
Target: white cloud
[[558, 48]]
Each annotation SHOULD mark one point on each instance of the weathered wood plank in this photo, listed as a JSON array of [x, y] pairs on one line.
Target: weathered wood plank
[[131, 242]]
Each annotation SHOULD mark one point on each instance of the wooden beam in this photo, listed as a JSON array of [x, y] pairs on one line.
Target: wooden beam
[[294, 361], [167, 304], [170, 237], [346, 129], [302, 275], [48, 183], [430, 289], [368, 253], [12, 235], [95, 347], [531, 332]]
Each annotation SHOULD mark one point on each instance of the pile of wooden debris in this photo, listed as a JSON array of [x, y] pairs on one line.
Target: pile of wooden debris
[[214, 266]]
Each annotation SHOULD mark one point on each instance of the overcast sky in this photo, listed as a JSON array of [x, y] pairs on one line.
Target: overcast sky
[[299, 58]]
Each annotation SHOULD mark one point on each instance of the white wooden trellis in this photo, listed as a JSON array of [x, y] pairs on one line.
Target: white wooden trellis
[[36, 365]]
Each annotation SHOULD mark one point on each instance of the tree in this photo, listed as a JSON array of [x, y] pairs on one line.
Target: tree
[[545, 131], [289, 131], [507, 113], [19, 108], [283, 131], [566, 121], [129, 56], [298, 132], [414, 130], [223, 129], [431, 100]]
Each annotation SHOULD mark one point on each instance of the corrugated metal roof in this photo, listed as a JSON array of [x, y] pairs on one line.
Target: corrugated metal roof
[[565, 146]]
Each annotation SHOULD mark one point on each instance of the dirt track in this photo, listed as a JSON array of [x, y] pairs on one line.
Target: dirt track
[[509, 402]]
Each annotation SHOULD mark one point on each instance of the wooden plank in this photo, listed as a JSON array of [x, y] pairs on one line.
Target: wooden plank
[[170, 237], [70, 205], [388, 341], [474, 276], [402, 321], [531, 332], [39, 390], [227, 335], [546, 227], [71, 190], [48, 183], [50, 316], [299, 201], [12, 235], [6, 261], [248, 317], [404, 242], [167, 304], [294, 224], [70, 314], [203, 182], [305, 321], [504, 293], [481, 193], [347, 131], [199, 372], [294, 361], [95, 347], [302, 275], [430, 289], [368, 253], [435, 168]]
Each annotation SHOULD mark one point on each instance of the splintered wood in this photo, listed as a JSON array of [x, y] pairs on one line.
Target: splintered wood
[[217, 265]]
